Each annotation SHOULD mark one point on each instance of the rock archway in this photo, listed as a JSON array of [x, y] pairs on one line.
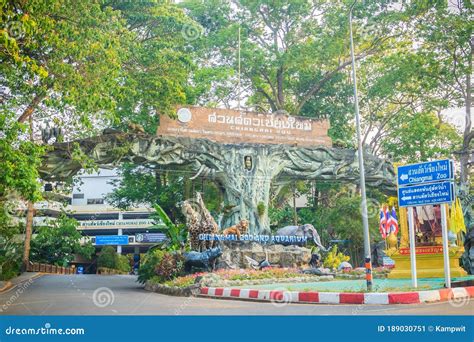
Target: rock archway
[[245, 171]]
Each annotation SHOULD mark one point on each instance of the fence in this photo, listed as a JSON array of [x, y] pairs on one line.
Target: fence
[[46, 268]]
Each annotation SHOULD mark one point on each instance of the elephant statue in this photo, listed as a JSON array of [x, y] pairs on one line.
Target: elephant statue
[[306, 230]]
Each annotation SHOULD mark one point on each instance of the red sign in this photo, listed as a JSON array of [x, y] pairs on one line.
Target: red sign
[[423, 250]]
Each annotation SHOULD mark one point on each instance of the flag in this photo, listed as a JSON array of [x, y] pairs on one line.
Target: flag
[[456, 218], [383, 224], [392, 222]]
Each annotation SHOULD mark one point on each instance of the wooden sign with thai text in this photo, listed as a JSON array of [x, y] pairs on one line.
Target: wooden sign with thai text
[[235, 127]]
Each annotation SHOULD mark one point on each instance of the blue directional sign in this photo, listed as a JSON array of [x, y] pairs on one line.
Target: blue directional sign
[[426, 194], [114, 240], [434, 171]]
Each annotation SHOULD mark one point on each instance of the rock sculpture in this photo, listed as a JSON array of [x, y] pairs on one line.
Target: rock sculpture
[[244, 188], [201, 260], [305, 230]]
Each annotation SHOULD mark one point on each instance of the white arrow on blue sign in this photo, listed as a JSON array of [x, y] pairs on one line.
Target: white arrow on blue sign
[[426, 194], [434, 171]]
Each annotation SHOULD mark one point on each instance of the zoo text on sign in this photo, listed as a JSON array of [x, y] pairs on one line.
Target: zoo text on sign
[[233, 126], [256, 238], [434, 171]]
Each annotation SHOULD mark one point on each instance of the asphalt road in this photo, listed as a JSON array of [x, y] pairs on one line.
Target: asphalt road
[[122, 295]]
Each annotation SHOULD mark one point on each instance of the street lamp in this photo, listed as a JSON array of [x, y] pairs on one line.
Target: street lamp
[[365, 218]]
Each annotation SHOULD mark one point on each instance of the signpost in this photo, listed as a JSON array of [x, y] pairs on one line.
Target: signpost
[[111, 240], [425, 194], [435, 171], [422, 184]]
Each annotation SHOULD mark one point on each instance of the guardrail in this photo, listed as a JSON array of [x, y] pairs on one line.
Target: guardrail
[[46, 268]]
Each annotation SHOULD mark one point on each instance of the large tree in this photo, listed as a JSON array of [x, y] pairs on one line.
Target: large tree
[[294, 54]]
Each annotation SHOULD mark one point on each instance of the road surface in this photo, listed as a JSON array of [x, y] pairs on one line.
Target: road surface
[[122, 295]]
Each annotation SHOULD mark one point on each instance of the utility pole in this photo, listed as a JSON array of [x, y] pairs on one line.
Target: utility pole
[[365, 218]]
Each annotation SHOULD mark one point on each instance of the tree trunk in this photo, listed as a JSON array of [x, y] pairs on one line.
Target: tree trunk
[[29, 215], [28, 232], [28, 112], [245, 188]]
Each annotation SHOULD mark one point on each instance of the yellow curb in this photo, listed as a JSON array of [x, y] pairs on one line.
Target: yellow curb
[[11, 286], [6, 287]]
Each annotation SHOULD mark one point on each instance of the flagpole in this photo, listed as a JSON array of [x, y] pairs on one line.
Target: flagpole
[[365, 217]]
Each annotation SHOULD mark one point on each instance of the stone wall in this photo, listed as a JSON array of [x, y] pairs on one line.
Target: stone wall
[[234, 253]]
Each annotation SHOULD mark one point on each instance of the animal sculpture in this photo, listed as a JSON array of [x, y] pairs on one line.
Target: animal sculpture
[[201, 260], [237, 229], [305, 230]]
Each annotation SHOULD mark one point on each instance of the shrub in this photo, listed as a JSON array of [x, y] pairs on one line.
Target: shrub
[[334, 258], [170, 266], [147, 267], [10, 259], [123, 263], [107, 257]]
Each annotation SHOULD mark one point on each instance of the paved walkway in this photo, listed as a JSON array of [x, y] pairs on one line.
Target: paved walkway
[[122, 295]]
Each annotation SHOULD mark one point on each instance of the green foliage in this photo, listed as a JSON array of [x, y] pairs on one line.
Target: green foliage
[[123, 263], [280, 217], [177, 233], [147, 265], [10, 258], [58, 242], [139, 185], [261, 208], [20, 160], [334, 258], [421, 137], [107, 257]]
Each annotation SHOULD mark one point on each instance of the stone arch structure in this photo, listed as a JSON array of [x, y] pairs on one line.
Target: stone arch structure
[[244, 187]]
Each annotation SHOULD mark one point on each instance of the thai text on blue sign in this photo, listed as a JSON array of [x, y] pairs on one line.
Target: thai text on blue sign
[[150, 237], [426, 194], [101, 240], [434, 171]]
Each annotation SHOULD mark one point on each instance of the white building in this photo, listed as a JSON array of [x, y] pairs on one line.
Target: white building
[[131, 231]]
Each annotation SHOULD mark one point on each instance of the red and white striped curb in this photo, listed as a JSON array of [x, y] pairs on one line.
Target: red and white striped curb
[[281, 296]]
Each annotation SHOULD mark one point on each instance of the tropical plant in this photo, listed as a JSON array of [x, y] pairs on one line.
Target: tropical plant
[[334, 258], [170, 266], [177, 233], [147, 266]]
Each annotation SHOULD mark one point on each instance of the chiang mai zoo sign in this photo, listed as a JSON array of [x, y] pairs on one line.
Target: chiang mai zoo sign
[[245, 153]]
